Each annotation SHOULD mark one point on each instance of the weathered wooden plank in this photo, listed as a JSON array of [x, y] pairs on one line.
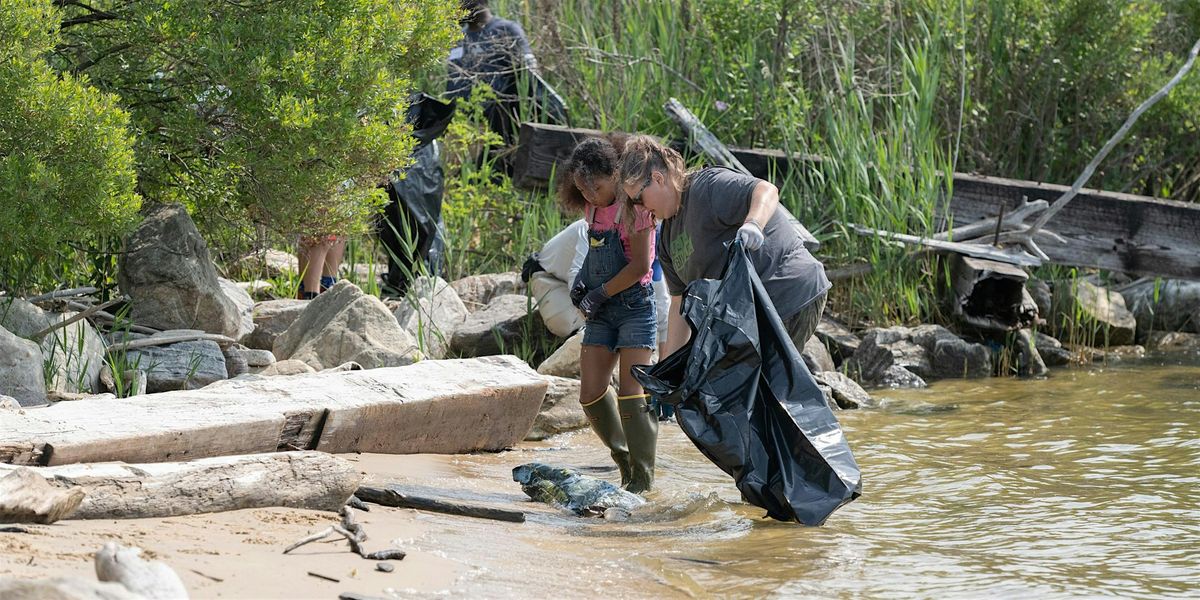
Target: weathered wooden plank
[[396, 410], [541, 147], [1108, 230]]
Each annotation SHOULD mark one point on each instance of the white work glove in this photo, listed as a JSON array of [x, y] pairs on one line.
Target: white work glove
[[751, 235]]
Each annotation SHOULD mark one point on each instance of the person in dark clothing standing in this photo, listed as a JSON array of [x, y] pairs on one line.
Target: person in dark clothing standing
[[493, 50]]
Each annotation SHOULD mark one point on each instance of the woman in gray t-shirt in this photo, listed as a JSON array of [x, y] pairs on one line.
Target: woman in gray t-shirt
[[704, 210]]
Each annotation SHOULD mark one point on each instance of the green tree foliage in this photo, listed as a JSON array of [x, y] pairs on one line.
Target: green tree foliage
[[66, 156], [281, 115]]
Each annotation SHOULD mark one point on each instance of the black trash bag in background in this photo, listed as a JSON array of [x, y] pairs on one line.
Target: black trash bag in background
[[743, 395], [411, 224]]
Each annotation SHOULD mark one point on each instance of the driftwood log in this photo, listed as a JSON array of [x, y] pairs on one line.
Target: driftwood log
[[398, 497], [312, 480], [25, 497], [435, 406]]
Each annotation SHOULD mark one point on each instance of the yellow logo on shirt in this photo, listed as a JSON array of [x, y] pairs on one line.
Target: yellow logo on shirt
[[596, 242]]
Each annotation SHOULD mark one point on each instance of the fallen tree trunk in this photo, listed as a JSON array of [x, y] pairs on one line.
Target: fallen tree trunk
[[312, 480], [1107, 230], [435, 406]]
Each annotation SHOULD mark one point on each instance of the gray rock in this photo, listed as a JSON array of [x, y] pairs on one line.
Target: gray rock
[[166, 271], [905, 350], [275, 263], [244, 303], [564, 362], [927, 351], [64, 588], [560, 410], [258, 358], [151, 579], [1052, 351], [897, 377], [271, 319], [73, 354], [1042, 296], [342, 325], [870, 362], [950, 356], [179, 366], [235, 360], [1170, 305], [477, 291], [1174, 341], [22, 318], [957, 358], [258, 289], [21, 375], [498, 328], [285, 368], [430, 313], [838, 339], [842, 392], [816, 357], [1029, 361], [1101, 314]]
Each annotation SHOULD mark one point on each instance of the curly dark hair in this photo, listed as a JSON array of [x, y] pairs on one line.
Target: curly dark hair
[[592, 158]]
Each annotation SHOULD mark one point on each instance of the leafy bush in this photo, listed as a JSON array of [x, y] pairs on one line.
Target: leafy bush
[[282, 117], [66, 156]]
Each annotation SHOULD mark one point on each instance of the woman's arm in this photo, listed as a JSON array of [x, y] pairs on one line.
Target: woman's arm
[[763, 202], [642, 253], [678, 331]]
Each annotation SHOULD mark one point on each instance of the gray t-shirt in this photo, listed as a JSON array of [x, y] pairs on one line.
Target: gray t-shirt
[[692, 243]]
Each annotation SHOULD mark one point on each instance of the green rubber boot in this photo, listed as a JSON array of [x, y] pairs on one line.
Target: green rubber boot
[[641, 432], [602, 415]]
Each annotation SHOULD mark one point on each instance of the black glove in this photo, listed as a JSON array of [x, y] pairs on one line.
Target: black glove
[[578, 292], [532, 265], [593, 301]]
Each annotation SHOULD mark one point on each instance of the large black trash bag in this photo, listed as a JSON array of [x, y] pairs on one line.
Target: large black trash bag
[[745, 398], [411, 224]]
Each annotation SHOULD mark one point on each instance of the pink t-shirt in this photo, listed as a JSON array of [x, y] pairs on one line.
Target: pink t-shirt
[[610, 217]]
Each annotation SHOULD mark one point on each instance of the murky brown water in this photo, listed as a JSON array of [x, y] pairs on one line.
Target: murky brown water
[[1083, 484]]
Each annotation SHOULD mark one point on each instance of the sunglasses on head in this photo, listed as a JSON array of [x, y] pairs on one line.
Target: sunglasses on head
[[637, 198]]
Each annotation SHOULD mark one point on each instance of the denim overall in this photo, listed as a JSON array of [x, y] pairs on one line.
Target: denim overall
[[627, 320]]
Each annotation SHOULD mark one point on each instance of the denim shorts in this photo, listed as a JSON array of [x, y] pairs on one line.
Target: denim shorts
[[627, 320]]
